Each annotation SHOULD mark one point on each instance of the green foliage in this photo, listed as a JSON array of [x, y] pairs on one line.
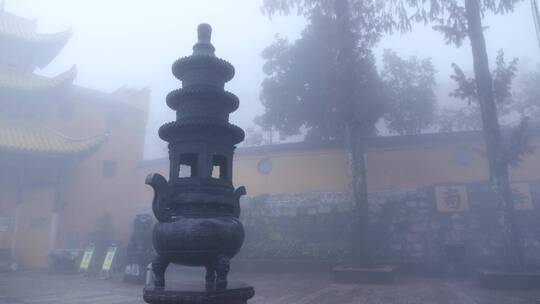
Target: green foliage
[[300, 73], [253, 137], [516, 142], [409, 86], [526, 103], [447, 16], [461, 119], [369, 19], [468, 118], [528, 96], [503, 75], [300, 93], [466, 86]]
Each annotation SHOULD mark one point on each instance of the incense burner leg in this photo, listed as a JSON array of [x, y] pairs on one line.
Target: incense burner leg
[[222, 267], [159, 265], [210, 275]]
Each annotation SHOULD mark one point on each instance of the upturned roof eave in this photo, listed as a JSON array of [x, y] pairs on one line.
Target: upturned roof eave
[[28, 141], [36, 82], [43, 46], [49, 46]]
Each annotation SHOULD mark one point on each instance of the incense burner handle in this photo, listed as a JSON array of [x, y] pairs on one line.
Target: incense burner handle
[[239, 192], [161, 201]]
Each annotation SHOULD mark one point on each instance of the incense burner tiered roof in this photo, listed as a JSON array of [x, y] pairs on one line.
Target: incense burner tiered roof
[[201, 140], [202, 105]]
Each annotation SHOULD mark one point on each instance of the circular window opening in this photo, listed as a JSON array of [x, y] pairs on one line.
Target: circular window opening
[[264, 166], [463, 156]]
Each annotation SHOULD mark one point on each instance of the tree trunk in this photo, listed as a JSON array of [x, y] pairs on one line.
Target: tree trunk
[[358, 189], [345, 85], [495, 150]]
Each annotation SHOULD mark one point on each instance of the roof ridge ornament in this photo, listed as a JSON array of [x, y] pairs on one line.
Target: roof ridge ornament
[[203, 45]]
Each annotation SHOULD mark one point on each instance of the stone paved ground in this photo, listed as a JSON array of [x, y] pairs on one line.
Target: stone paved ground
[[42, 288]]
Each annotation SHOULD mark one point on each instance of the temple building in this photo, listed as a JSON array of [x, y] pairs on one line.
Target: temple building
[[63, 148]]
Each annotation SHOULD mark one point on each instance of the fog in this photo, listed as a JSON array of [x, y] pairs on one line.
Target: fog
[[133, 43], [377, 174]]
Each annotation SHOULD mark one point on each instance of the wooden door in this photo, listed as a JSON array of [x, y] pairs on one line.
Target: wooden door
[[34, 227]]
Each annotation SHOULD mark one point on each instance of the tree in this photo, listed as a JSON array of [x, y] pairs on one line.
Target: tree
[[459, 20], [253, 137], [528, 96], [326, 84], [299, 91], [409, 84], [468, 118], [296, 93]]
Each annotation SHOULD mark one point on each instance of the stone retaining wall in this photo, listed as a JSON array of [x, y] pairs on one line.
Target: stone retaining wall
[[406, 227]]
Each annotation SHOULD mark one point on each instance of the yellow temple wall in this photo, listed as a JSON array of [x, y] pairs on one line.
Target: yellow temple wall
[[89, 194], [326, 170], [389, 168], [293, 171]]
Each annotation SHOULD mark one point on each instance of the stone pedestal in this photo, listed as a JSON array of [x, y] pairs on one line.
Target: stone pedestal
[[200, 293], [367, 275]]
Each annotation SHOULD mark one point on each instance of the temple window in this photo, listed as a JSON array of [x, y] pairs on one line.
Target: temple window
[[264, 166], [188, 165], [219, 167]]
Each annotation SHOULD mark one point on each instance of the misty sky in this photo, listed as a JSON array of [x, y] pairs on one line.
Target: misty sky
[[134, 42]]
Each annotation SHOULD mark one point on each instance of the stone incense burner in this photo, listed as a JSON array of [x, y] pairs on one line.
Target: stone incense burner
[[198, 208]]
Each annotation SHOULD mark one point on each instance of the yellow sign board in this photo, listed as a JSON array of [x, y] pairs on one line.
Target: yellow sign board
[[451, 198], [107, 263], [87, 257], [521, 193], [454, 198]]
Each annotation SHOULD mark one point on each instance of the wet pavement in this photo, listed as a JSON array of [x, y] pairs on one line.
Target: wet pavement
[[39, 287]]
